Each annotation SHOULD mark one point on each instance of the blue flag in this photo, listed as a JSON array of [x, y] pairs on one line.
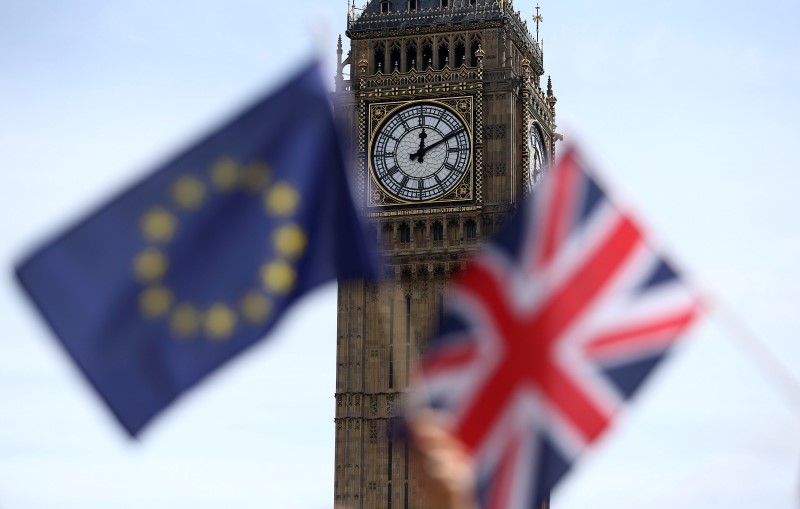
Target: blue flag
[[201, 259]]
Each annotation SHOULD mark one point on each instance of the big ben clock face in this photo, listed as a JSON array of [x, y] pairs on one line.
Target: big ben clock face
[[420, 152]]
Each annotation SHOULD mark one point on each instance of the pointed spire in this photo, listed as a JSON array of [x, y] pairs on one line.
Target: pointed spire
[[551, 98], [339, 68]]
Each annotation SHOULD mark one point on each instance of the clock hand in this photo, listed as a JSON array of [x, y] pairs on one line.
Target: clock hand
[[422, 137], [420, 154], [421, 150]]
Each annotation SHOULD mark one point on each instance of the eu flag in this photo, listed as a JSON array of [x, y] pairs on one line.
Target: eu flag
[[199, 261]]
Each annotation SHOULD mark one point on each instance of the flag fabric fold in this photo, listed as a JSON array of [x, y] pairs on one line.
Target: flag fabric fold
[[550, 329], [199, 261]]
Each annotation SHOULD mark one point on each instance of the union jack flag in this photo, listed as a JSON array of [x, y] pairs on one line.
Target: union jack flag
[[546, 334]]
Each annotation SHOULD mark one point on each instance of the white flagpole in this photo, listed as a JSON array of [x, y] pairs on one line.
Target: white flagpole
[[755, 349]]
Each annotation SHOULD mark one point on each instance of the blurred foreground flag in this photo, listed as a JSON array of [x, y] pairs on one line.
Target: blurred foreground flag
[[201, 259], [550, 329]]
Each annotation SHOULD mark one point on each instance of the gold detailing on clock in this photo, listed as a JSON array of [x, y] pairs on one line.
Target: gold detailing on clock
[[459, 106]]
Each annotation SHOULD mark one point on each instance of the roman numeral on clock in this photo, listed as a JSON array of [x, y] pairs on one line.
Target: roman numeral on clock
[[439, 182]]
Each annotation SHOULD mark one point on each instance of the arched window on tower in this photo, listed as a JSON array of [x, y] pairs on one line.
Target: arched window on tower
[[411, 56], [386, 236], [473, 57], [379, 58], [471, 231], [473, 2], [452, 233], [427, 55], [444, 55], [438, 233], [460, 54], [419, 234], [385, 6], [394, 57], [445, 3], [405, 233], [412, 5]]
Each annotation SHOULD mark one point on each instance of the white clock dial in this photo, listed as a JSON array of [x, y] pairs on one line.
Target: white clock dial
[[421, 152], [536, 156]]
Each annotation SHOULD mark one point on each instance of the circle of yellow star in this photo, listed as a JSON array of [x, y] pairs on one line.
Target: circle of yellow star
[[225, 174], [290, 241], [150, 265], [155, 301], [188, 192], [185, 321], [282, 199], [158, 225], [278, 277], [220, 322], [255, 176], [256, 307]]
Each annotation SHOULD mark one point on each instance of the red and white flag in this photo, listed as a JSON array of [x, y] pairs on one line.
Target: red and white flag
[[551, 328]]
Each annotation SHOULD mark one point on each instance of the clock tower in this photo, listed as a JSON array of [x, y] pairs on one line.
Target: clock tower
[[449, 124]]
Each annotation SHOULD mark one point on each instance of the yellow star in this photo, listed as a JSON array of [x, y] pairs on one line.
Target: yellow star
[[225, 174], [185, 321], [188, 192], [220, 322], [150, 265], [282, 199], [155, 301], [256, 308], [255, 176], [290, 241], [158, 225], [278, 277]]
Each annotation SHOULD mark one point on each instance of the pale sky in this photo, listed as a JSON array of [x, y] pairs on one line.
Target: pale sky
[[689, 109]]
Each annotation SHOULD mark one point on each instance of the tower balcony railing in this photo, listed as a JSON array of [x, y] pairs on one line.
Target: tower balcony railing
[[415, 78], [449, 14]]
